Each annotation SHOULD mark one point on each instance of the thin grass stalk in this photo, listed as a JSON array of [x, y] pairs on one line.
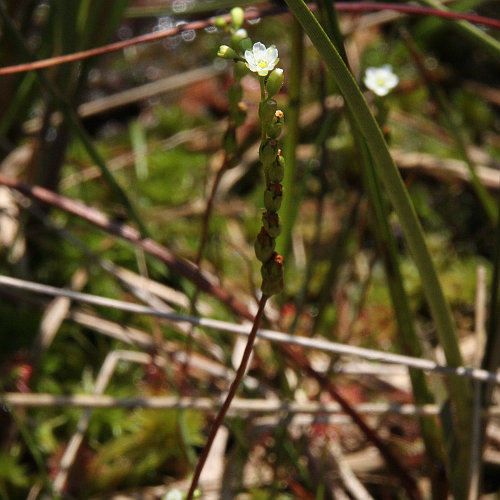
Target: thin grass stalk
[[17, 106], [75, 122], [408, 340], [301, 296], [491, 359], [273, 336], [460, 391], [291, 192]]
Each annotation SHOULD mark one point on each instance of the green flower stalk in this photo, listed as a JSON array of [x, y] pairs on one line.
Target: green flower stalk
[[261, 60]]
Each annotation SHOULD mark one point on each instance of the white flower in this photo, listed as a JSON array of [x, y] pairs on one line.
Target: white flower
[[380, 80], [261, 60]]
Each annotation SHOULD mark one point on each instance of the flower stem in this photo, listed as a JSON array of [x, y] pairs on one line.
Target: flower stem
[[230, 395]]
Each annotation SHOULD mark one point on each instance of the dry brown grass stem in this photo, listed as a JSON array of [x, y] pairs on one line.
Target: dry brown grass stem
[[239, 406], [280, 338]]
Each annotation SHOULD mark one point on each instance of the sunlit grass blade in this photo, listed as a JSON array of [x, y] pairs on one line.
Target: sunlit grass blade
[[389, 174]]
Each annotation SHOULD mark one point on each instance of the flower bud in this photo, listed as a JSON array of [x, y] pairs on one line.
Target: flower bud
[[274, 82], [268, 151], [267, 110], [227, 52], [272, 275], [276, 171], [238, 36], [272, 197], [271, 222], [220, 22], [237, 17], [264, 246], [245, 44]]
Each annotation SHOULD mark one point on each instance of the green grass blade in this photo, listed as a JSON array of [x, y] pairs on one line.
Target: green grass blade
[[459, 389]]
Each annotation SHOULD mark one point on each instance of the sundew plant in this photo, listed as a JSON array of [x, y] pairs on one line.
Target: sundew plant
[[249, 251]]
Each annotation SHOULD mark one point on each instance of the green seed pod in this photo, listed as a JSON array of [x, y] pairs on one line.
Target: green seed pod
[[220, 22], [267, 110], [271, 224], [273, 196], [272, 275], [273, 130], [276, 171], [274, 82], [227, 52], [267, 152], [264, 246], [237, 17]]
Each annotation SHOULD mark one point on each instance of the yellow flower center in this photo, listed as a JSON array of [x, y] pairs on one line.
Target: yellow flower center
[[262, 64]]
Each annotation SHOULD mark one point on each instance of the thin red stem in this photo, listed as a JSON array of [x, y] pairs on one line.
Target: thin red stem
[[200, 24], [232, 391]]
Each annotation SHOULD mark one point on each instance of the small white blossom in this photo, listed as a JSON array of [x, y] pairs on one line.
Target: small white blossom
[[260, 59], [241, 33], [380, 80]]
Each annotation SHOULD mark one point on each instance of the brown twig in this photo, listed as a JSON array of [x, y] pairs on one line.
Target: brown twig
[[200, 24], [232, 391], [94, 216], [226, 162]]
